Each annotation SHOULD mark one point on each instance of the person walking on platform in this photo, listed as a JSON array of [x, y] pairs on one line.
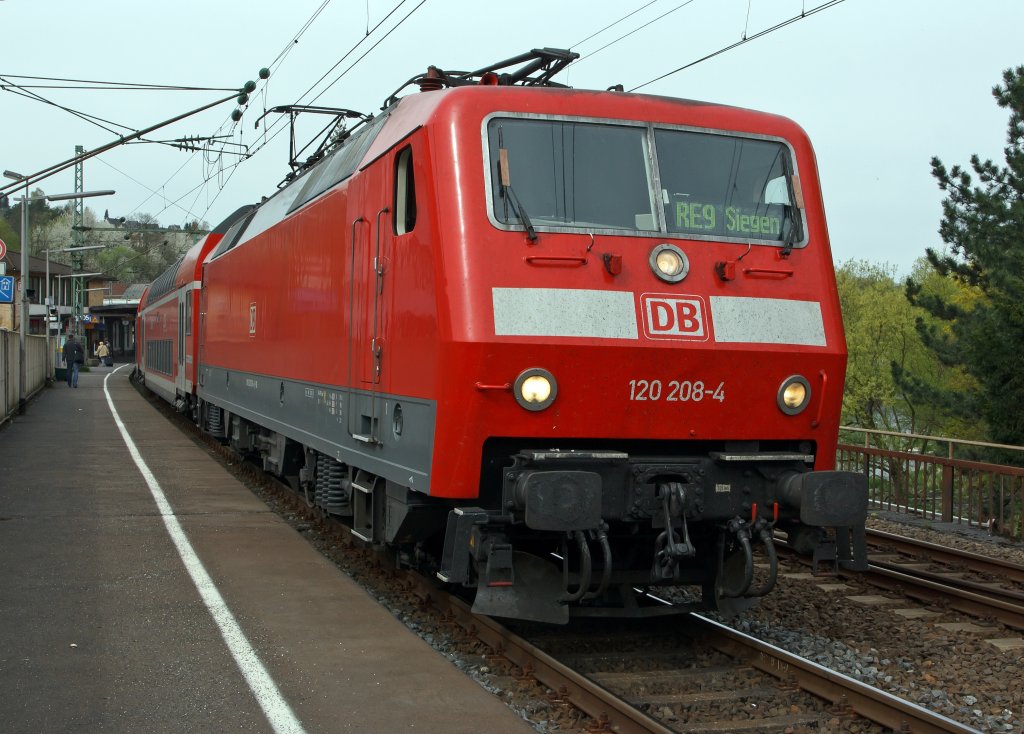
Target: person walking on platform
[[74, 355], [103, 353]]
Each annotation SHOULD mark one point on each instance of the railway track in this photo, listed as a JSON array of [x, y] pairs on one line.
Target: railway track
[[947, 577], [943, 577], [957, 559], [720, 680]]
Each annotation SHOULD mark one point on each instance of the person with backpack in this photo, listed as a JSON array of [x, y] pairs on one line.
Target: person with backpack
[[74, 355]]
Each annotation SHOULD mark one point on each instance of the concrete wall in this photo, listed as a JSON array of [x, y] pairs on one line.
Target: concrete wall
[[9, 369], [7, 316]]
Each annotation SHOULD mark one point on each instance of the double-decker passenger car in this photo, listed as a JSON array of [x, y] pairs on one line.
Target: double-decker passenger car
[[559, 345]]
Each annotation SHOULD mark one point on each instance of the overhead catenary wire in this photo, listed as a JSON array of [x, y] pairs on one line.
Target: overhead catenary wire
[[279, 125], [382, 39], [635, 30], [106, 88], [114, 86], [91, 119], [746, 39], [147, 188], [612, 25], [279, 59], [353, 49]]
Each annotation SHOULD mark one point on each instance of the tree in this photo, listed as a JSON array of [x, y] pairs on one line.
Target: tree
[[9, 235], [884, 345], [983, 227], [52, 232]]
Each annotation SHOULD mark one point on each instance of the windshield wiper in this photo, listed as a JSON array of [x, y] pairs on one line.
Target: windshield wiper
[[520, 210], [791, 209], [508, 193]]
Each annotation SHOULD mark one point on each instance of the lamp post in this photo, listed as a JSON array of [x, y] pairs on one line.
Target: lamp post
[[26, 199]]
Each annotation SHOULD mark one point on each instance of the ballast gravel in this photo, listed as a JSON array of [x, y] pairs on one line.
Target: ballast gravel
[[955, 673]]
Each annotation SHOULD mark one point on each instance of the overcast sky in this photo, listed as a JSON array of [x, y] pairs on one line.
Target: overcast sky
[[879, 85]]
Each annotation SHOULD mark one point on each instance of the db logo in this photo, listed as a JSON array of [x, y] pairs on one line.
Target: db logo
[[673, 317]]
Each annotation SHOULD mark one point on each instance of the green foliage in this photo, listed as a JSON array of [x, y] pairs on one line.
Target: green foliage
[[117, 259], [136, 252], [9, 235], [884, 345], [983, 226]]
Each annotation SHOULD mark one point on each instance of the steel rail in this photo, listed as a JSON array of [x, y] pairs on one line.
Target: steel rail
[[871, 703], [613, 713], [968, 602], [989, 590], [944, 554], [983, 605]]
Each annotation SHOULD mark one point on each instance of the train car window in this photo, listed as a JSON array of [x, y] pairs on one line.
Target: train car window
[[269, 212], [158, 356], [725, 186], [405, 193], [571, 174], [352, 152], [312, 183], [234, 234]]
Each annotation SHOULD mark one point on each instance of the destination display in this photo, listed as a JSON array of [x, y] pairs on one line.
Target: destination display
[[697, 217]]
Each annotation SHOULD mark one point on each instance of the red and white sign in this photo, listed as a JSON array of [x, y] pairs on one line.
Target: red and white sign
[[3, 249], [668, 316]]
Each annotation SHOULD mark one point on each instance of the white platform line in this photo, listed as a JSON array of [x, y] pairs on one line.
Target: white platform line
[[277, 710]]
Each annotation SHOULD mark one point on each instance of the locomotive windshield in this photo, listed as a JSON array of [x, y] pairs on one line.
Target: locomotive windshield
[[573, 174], [723, 185], [596, 176]]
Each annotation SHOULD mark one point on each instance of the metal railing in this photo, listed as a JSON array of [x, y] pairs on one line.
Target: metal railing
[[922, 475]]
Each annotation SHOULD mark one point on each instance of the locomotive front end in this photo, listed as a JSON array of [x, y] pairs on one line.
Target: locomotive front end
[[657, 360]]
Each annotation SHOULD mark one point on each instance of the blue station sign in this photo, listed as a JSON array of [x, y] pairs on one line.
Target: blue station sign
[[6, 289]]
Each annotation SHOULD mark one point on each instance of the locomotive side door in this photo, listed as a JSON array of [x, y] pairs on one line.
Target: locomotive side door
[[371, 237], [184, 312]]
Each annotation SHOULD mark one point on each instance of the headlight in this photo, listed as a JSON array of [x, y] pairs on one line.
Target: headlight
[[535, 389], [794, 394], [669, 263]]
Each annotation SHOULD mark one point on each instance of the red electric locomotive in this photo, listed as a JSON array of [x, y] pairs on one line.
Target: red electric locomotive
[[562, 346]]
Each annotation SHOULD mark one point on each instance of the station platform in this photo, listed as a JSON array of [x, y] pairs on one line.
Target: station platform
[[107, 623]]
